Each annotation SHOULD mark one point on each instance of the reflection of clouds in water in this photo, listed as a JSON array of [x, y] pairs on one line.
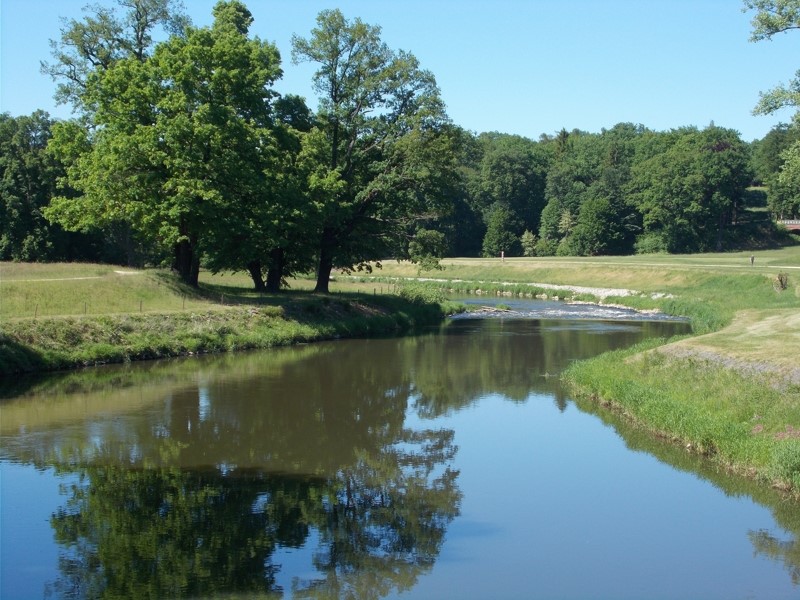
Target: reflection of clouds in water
[[546, 309], [204, 403]]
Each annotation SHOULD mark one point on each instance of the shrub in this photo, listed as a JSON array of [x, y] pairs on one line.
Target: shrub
[[419, 293], [650, 243], [546, 247]]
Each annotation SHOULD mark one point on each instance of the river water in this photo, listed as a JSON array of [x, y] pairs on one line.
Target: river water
[[447, 465]]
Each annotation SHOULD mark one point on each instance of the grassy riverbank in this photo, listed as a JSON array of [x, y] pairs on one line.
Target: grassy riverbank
[[67, 316], [747, 422], [731, 393]]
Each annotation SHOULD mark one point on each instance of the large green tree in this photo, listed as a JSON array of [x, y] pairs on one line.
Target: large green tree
[[771, 18], [502, 227], [587, 210], [27, 181], [689, 193], [184, 144], [382, 148], [769, 155]]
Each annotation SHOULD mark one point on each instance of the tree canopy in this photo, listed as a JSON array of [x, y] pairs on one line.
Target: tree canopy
[[182, 145], [771, 18], [381, 145]]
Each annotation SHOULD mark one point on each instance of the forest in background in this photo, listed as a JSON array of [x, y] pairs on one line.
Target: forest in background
[[182, 154]]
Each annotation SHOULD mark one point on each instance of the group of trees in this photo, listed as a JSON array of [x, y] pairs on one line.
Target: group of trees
[[186, 145], [182, 152], [778, 154], [622, 190]]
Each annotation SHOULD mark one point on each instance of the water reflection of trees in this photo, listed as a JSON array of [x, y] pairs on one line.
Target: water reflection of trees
[[223, 462], [170, 532], [196, 495], [513, 358], [785, 551]]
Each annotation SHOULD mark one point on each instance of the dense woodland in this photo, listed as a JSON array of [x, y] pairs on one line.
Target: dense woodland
[[182, 154]]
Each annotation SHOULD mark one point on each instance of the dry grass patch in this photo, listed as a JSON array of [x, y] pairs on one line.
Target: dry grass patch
[[757, 341]]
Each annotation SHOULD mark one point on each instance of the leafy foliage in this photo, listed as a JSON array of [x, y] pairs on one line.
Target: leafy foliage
[[183, 149], [501, 227], [384, 154], [771, 18], [28, 179], [183, 142]]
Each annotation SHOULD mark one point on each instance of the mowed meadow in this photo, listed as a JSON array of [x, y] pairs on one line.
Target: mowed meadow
[[60, 316]]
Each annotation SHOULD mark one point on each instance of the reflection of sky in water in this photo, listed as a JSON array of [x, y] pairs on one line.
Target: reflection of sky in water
[[551, 309], [526, 530]]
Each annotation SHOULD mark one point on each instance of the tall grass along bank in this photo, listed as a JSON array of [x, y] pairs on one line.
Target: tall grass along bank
[[748, 424]]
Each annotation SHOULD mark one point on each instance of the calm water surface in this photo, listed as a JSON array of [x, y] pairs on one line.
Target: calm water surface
[[451, 464]]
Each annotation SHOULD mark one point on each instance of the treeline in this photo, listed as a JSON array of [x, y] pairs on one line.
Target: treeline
[[624, 190], [182, 153]]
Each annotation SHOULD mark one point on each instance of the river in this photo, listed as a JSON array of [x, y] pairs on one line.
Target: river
[[450, 464]]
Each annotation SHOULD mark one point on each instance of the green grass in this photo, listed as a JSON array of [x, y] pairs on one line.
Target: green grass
[[65, 316], [744, 423], [78, 289], [68, 342]]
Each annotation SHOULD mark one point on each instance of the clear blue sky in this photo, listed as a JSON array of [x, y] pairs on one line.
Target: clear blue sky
[[516, 66]]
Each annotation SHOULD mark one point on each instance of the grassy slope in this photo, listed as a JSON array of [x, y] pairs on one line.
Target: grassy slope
[[64, 316]]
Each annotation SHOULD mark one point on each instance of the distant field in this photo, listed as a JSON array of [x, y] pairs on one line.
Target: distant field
[[30, 290], [702, 275]]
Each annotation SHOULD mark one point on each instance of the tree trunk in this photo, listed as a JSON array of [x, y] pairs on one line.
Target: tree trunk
[[325, 265], [277, 262], [182, 263], [187, 260], [254, 268], [194, 273]]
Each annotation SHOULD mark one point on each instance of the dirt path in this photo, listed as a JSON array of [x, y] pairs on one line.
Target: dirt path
[[123, 273]]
